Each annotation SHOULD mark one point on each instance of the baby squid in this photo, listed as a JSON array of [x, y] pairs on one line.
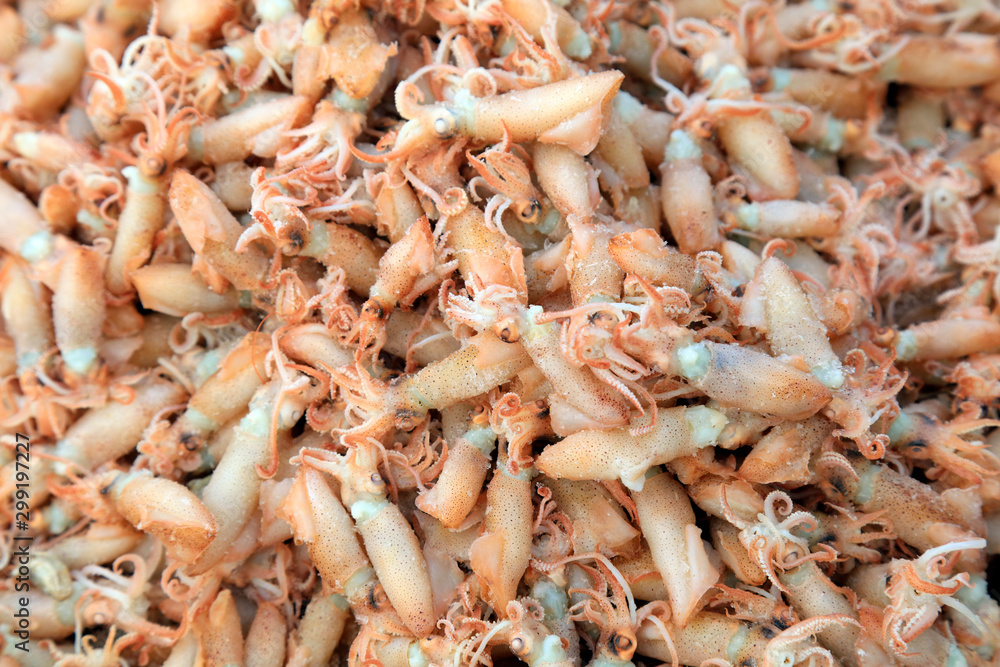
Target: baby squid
[[966, 59], [388, 536], [757, 144], [142, 217], [814, 597], [319, 521], [461, 479], [166, 510], [527, 115], [427, 324], [707, 636], [25, 232], [582, 397], [265, 643], [667, 522], [775, 304], [621, 154], [483, 363], [651, 128], [565, 178], [46, 76], [233, 491], [920, 436], [946, 339], [841, 95], [339, 246], [608, 455], [634, 43], [907, 629], [89, 442], [175, 289], [223, 396], [219, 633], [213, 233], [644, 254], [533, 15], [407, 269], [100, 543], [321, 629], [599, 524], [745, 378], [593, 274], [27, 314], [687, 196], [873, 488], [253, 129], [501, 554], [531, 641], [78, 309], [785, 219]]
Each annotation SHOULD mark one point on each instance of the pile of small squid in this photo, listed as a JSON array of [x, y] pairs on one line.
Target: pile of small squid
[[457, 333]]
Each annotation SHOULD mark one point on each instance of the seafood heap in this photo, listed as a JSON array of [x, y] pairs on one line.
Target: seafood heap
[[446, 333]]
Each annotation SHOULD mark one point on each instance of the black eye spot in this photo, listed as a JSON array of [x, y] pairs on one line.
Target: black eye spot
[[509, 333], [620, 644], [376, 598], [373, 309], [838, 484], [529, 211]]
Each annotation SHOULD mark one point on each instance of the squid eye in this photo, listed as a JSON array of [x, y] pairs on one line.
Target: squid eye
[[443, 123], [943, 199], [508, 331], [622, 645], [529, 211], [372, 309], [377, 480], [153, 166], [480, 416], [407, 420], [520, 645], [377, 599]]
